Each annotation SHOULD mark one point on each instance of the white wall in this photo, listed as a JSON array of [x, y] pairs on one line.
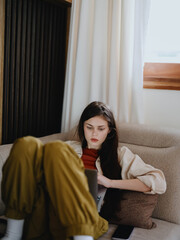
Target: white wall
[[162, 108]]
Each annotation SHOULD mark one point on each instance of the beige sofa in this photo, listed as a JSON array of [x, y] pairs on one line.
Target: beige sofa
[[159, 147]]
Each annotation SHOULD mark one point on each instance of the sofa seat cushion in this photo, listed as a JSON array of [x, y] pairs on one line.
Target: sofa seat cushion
[[164, 230]]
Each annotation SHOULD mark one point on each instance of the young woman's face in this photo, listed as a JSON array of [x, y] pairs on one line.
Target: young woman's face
[[95, 131]]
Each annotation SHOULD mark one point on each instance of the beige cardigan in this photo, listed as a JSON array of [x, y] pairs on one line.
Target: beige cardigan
[[132, 167]]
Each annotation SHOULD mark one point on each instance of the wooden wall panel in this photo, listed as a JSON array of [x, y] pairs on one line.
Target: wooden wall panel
[[162, 76], [2, 23]]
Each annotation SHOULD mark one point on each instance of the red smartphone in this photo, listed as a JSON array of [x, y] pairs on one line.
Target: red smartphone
[[122, 232]]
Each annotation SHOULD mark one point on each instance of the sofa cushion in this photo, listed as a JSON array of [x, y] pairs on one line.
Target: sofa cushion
[[164, 230], [133, 208]]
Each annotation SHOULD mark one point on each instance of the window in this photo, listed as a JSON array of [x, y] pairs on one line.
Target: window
[[162, 53]]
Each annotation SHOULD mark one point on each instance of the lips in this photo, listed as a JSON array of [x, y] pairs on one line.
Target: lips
[[94, 140]]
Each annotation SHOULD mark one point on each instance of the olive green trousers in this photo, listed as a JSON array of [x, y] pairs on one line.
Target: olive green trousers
[[46, 186]]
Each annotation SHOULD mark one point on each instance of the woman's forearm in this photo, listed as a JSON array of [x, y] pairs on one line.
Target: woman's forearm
[[126, 184], [129, 184]]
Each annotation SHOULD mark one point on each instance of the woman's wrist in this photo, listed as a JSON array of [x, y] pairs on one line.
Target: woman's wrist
[[111, 183]]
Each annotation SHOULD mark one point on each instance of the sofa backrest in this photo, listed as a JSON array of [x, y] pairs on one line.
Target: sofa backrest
[[159, 147]]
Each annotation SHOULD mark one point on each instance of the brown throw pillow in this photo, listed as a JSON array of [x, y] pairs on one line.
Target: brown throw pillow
[[133, 208]]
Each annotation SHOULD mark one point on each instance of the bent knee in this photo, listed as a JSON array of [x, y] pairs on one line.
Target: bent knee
[[59, 150], [55, 148], [26, 146], [26, 151]]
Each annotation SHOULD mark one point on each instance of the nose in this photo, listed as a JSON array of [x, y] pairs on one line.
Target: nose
[[94, 132]]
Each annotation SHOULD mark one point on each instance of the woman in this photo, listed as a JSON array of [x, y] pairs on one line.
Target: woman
[[46, 192]]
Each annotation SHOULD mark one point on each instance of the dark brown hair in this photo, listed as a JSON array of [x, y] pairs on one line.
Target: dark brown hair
[[108, 152]]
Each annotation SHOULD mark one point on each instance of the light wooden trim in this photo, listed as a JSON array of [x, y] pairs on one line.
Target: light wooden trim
[[2, 27], [63, 1], [66, 2], [69, 1], [162, 76]]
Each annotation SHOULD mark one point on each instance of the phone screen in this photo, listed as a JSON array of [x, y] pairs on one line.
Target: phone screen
[[122, 232]]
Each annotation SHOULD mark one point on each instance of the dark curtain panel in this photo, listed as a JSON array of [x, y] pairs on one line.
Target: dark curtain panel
[[34, 68]]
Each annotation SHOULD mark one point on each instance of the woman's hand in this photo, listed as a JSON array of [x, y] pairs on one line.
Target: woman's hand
[[102, 180], [126, 184]]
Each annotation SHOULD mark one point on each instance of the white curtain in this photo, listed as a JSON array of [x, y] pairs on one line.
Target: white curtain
[[105, 58]]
